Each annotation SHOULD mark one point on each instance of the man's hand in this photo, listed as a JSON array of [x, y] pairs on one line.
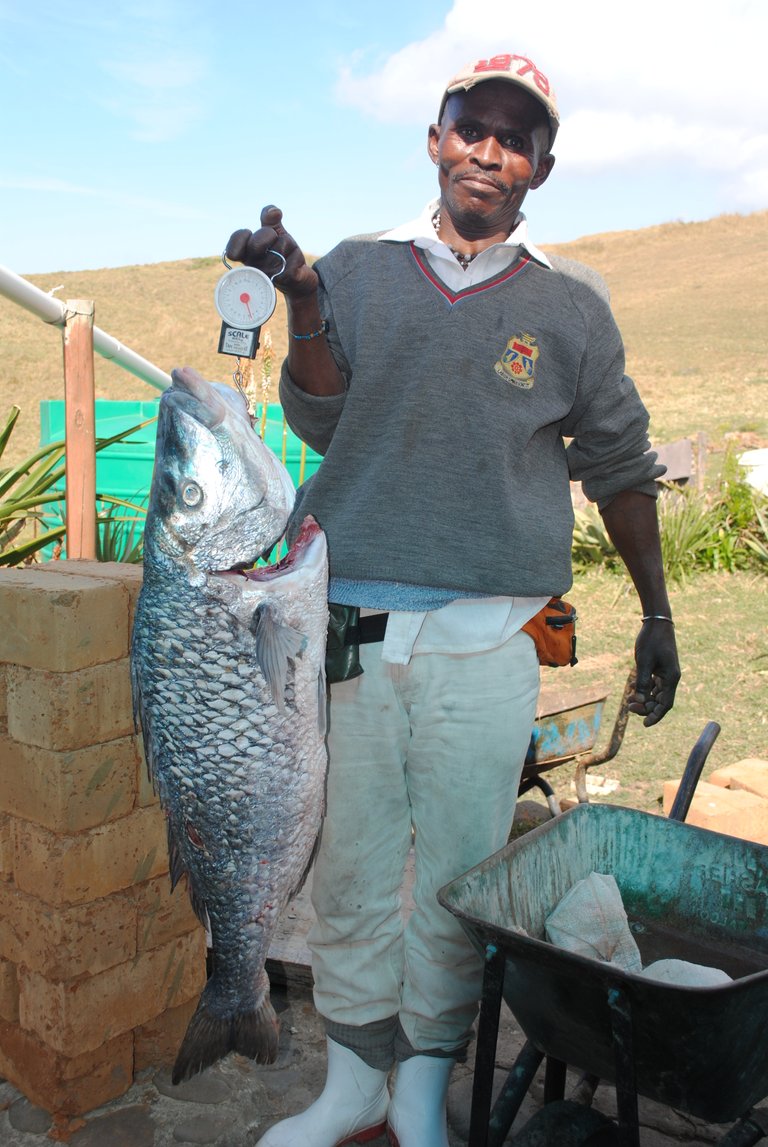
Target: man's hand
[[631, 521], [254, 248], [658, 671], [310, 362]]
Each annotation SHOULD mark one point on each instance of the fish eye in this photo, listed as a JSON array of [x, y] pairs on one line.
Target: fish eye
[[191, 494]]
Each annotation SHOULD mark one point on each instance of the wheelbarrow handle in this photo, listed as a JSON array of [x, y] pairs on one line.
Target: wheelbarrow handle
[[693, 770]]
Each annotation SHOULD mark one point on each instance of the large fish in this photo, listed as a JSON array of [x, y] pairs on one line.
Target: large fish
[[228, 681]]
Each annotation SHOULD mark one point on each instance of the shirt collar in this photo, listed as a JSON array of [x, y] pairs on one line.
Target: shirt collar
[[421, 232]]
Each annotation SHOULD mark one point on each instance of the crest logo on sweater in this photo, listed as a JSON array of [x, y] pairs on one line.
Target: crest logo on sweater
[[517, 363]]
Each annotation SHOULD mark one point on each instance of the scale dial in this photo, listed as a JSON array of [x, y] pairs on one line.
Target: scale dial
[[245, 298]]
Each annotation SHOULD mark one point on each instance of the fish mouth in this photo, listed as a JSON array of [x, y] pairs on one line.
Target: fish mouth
[[309, 533]]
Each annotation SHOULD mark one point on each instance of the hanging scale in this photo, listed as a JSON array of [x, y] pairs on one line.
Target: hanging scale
[[245, 298]]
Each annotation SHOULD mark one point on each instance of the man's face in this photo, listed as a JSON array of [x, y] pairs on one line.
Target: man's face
[[490, 148]]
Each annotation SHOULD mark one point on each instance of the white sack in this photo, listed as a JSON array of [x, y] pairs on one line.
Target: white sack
[[591, 921], [685, 973]]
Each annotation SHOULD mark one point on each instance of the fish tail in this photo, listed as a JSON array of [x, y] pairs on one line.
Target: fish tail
[[210, 1036]]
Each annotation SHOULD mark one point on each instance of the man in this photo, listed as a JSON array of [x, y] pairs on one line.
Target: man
[[438, 368]]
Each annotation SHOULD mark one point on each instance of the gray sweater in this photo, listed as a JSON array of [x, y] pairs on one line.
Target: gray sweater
[[444, 460]]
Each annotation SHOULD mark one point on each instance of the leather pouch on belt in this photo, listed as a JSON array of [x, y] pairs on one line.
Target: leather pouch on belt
[[342, 649], [553, 630]]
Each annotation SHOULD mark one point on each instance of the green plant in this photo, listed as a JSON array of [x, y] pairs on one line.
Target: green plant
[[28, 487], [690, 532], [24, 490], [724, 530], [756, 539], [736, 496], [120, 537], [591, 543]]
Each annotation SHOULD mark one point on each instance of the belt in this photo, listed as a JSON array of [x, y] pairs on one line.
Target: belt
[[367, 630]]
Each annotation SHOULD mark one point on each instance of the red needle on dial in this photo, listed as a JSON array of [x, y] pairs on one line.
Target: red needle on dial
[[246, 298]]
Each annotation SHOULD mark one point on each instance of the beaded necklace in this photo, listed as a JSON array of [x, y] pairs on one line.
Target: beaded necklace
[[463, 260]]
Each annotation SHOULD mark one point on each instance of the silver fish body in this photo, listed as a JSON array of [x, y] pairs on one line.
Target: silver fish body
[[228, 679]]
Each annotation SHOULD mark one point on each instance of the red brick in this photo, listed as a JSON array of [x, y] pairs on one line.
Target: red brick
[[731, 811], [750, 774], [163, 915], [61, 623], [62, 1084], [70, 710], [69, 790], [62, 943], [92, 864], [157, 1043], [75, 1016], [9, 992]]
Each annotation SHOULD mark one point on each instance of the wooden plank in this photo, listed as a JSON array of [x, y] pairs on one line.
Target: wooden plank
[[80, 429], [678, 459], [557, 699]]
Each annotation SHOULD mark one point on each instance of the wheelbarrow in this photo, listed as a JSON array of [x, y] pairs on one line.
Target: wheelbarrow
[[567, 727], [690, 894]]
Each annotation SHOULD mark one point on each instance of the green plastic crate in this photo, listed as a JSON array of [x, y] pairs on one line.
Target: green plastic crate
[[300, 462], [124, 469]]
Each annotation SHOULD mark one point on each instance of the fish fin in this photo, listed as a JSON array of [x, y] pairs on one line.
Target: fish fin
[[210, 1036], [178, 869], [275, 644], [322, 703], [303, 878], [135, 690]]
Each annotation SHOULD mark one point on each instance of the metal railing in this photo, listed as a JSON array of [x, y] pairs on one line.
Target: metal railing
[[54, 312], [80, 339]]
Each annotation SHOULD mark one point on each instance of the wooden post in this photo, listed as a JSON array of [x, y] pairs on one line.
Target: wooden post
[[80, 429]]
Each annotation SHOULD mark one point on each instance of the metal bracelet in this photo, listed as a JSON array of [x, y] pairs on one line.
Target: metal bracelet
[[658, 617]]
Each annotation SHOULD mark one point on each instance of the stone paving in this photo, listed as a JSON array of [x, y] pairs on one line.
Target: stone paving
[[233, 1103]]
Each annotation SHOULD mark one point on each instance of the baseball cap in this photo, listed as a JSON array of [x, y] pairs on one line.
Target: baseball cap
[[515, 69]]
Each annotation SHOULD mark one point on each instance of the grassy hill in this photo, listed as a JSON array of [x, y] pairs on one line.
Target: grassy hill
[[691, 300]]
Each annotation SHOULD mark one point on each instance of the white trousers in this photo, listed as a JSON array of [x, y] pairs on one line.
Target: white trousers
[[436, 746]]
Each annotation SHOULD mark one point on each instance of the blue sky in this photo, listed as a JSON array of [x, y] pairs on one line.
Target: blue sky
[[148, 131]]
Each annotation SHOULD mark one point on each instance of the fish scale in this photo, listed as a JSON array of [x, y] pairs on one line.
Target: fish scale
[[228, 680]]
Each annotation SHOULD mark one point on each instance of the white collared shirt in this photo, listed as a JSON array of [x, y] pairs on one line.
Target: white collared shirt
[[488, 263], [466, 625]]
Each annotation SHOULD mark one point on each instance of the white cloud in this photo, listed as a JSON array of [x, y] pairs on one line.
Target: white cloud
[[596, 140], [157, 95], [749, 191], [683, 83]]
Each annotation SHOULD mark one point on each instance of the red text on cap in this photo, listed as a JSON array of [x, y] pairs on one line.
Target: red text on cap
[[504, 64]]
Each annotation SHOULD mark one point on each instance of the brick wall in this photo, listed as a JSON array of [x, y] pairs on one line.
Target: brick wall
[[733, 800], [100, 967]]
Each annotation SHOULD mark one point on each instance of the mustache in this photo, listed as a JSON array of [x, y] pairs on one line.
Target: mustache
[[486, 176]]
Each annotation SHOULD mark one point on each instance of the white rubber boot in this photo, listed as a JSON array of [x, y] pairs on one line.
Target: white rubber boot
[[417, 1111], [352, 1107]]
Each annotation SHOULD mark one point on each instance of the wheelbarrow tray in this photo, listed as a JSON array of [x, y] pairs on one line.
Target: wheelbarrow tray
[[567, 724], [689, 894]]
